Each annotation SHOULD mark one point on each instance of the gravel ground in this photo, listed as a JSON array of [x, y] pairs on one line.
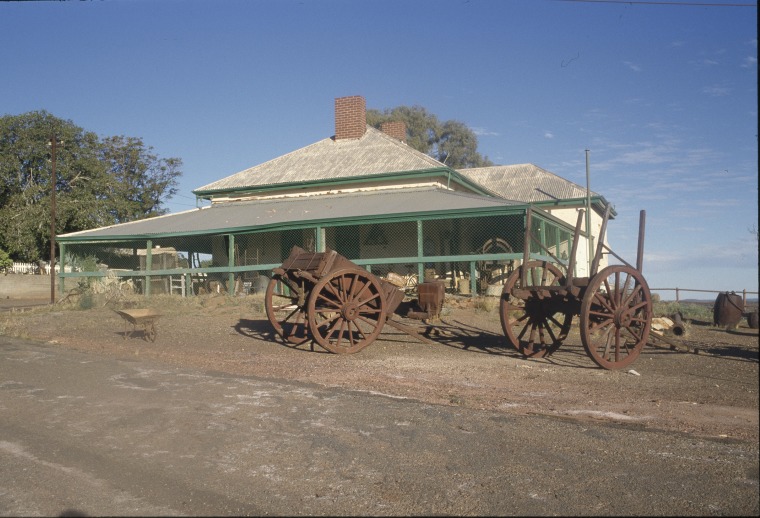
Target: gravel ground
[[712, 393]]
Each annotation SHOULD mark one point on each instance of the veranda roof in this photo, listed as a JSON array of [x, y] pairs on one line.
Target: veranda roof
[[279, 212]]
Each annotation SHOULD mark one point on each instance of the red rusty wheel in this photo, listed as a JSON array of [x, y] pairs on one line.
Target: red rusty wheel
[[284, 302], [346, 310], [616, 315], [535, 325]]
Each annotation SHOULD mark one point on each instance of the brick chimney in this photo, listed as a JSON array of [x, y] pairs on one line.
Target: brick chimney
[[395, 129], [350, 117]]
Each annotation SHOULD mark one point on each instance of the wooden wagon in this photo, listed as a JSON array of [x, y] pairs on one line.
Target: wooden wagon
[[540, 299], [325, 297]]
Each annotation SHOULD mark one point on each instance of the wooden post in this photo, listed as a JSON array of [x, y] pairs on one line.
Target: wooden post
[[53, 182], [148, 266], [231, 264]]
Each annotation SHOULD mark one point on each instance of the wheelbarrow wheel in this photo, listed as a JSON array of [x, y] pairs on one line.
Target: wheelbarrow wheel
[[284, 302], [534, 325], [616, 316], [346, 310], [151, 332]]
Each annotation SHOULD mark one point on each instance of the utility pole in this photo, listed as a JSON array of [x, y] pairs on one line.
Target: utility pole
[[588, 215], [53, 181]]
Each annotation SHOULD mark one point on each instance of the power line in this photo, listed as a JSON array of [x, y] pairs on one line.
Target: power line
[[644, 2]]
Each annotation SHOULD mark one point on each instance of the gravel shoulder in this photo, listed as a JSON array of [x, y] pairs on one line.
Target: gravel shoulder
[[712, 394]]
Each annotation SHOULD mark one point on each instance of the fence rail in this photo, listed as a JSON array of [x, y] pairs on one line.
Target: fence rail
[[680, 290]]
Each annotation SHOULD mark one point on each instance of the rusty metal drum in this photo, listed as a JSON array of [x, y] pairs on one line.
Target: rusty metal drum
[[431, 297], [752, 320], [728, 309]]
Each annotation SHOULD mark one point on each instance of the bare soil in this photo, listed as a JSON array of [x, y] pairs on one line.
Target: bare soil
[[712, 390]]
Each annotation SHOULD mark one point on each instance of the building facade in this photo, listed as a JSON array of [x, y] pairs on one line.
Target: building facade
[[362, 192]]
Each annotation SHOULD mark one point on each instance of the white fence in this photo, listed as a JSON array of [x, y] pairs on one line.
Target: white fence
[[34, 268], [29, 268]]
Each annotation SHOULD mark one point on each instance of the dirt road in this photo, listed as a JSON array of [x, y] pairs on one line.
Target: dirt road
[[91, 434], [712, 394]]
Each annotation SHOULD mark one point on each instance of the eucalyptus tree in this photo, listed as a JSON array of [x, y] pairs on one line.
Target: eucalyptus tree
[[91, 188], [141, 180], [451, 142]]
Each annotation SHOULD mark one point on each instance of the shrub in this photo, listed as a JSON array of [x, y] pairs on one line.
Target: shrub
[[5, 261], [689, 311]]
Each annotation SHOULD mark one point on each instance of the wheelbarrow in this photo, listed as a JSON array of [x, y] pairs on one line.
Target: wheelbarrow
[[146, 318]]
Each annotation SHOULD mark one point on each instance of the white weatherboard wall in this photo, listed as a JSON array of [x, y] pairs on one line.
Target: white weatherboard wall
[[570, 216]]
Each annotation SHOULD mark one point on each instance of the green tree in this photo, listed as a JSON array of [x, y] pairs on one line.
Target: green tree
[[89, 192], [450, 142], [5, 261], [141, 179]]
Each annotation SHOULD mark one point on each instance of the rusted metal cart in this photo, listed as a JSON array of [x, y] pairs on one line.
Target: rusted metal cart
[[146, 318], [324, 297], [540, 299]]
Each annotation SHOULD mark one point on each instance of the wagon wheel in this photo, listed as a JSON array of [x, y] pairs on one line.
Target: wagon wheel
[[535, 326], [410, 284], [150, 332], [495, 245], [284, 302], [346, 310], [616, 315]]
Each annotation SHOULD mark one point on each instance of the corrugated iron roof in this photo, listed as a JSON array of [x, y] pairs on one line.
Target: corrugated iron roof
[[526, 183], [224, 217], [329, 159]]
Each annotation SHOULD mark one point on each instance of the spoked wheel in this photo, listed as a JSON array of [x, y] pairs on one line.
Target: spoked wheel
[[410, 283], [285, 306], [346, 311], [616, 315], [487, 269], [535, 326]]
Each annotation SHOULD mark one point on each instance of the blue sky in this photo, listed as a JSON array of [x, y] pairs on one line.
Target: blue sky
[[663, 96]]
